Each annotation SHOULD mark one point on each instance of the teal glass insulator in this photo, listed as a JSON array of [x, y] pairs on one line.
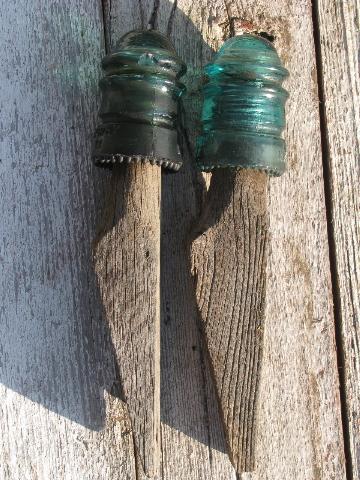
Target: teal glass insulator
[[140, 95], [244, 108]]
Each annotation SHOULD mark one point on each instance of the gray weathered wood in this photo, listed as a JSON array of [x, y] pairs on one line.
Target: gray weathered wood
[[299, 407], [58, 418], [339, 50], [229, 266], [127, 258], [297, 348], [56, 357]]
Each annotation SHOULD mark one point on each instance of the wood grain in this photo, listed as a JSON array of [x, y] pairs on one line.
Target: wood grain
[[299, 398], [229, 266], [192, 440], [57, 414], [339, 38], [127, 259], [56, 353]]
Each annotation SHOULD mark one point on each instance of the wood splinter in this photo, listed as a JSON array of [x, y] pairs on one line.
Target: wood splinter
[[243, 117], [138, 128]]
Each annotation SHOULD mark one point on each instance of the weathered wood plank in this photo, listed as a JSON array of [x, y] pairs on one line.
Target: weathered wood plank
[[56, 357], [299, 400], [229, 266], [339, 31], [302, 350], [299, 407]]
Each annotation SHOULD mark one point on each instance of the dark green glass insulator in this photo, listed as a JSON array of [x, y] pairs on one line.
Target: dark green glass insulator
[[243, 112], [140, 95]]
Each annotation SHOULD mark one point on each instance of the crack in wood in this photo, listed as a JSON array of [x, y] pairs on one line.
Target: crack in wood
[[335, 277], [154, 15], [171, 18]]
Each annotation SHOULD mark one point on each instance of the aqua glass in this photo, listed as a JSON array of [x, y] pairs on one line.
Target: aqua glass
[[244, 108], [140, 96]]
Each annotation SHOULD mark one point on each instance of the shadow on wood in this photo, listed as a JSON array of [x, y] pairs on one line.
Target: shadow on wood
[[182, 353], [62, 356], [183, 356], [55, 348]]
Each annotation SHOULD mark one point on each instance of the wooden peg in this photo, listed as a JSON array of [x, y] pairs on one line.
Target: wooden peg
[[137, 135]]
